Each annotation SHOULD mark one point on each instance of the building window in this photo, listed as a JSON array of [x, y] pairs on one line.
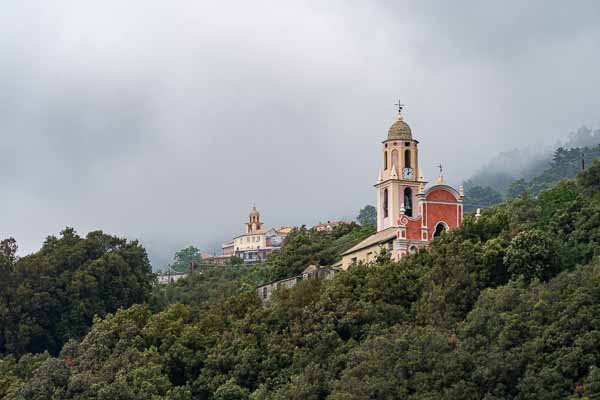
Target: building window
[[354, 260], [265, 293], [385, 203], [408, 202], [412, 249], [385, 160], [407, 163]]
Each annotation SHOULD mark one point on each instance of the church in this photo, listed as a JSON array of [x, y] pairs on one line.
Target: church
[[409, 213]]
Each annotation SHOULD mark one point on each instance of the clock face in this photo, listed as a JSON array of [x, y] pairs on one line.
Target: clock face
[[407, 173]]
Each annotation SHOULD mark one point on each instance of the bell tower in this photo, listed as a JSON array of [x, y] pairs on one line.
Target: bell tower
[[399, 181], [253, 225]]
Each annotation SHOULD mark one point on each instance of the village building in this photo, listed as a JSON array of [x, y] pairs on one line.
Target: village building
[[311, 272], [326, 226], [409, 214], [256, 243]]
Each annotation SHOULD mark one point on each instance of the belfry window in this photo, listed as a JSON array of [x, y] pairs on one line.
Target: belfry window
[[385, 203], [407, 163], [408, 202], [395, 163], [385, 160]]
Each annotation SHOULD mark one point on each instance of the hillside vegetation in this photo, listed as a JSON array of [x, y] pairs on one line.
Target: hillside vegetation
[[515, 172], [507, 307]]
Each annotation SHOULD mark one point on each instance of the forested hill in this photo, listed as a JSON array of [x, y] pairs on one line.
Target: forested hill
[[507, 307], [565, 163]]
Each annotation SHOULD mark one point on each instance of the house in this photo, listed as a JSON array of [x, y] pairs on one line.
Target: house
[[311, 272]]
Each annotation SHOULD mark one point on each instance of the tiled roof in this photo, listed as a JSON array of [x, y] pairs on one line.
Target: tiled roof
[[376, 238]]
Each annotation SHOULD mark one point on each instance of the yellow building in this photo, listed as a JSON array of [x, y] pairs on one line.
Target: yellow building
[[256, 243]]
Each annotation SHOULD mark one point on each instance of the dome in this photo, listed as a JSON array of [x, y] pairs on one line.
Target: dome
[[400, 130], [254, 212]]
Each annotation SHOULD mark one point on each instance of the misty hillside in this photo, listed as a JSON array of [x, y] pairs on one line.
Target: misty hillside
[[530, 171]]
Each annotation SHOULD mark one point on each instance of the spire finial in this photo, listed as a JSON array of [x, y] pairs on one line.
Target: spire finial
[[440, 178], [400, 107]]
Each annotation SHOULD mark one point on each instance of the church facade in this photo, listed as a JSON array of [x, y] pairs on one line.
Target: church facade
[[409, 213], [256, 243]]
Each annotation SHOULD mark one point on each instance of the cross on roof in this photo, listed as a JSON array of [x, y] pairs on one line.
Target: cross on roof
[[400, 106], [441, 167]]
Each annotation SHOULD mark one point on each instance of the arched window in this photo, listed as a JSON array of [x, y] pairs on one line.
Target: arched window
[[385, 203], [412, 249], [395, 159], [439, 229], [407, 163], [408, 202], [385, 160]]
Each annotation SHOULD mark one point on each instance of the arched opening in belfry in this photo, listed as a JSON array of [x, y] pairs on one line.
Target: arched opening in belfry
[[395, 159], [407, 161], [439, 229], [408, 206], [385, 203], [385, 162]]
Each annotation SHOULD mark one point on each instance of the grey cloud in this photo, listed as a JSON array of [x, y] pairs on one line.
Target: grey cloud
[[165, 121]]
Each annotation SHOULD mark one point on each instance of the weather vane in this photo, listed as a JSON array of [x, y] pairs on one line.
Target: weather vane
[[400, 106]]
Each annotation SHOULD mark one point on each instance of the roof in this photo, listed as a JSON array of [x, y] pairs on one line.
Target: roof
[[400, 130], [285, 229], [375, 239], [258, 232]]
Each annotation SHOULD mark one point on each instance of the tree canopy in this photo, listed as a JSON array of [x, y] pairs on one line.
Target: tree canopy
[[505, 307]]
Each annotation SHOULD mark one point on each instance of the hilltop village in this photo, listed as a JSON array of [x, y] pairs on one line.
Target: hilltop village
[[410, 214]]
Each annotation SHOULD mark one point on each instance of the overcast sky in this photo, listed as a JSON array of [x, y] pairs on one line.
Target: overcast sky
[[166, 120]]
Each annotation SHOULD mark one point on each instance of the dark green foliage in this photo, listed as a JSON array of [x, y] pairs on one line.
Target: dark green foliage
[[304, 247], [506, 307], [53, 295], [367, 216], [480, 197], [565, 164], [533, 254]]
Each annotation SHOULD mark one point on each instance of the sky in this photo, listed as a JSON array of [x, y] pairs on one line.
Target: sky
[[164, 121]]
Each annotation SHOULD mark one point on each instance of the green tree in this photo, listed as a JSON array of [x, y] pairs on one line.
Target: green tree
[[533, 254], [183, 258], [231, 391], [367, 216]]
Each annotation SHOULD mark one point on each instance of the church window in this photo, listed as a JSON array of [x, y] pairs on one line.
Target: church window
[[385, 203], [385, 160], [407, 163], [395, 159], [439, 229], [408, 202]]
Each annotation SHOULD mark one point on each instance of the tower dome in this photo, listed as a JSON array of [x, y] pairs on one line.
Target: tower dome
[[400, 130], [254, 212]]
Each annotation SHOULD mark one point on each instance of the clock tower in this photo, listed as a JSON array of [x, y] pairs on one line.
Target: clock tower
[[399, 181]]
